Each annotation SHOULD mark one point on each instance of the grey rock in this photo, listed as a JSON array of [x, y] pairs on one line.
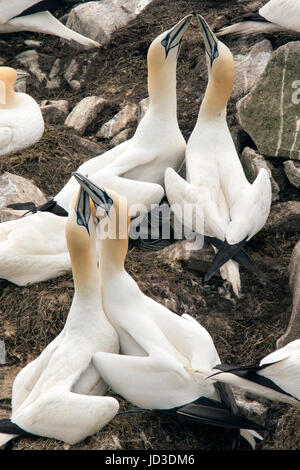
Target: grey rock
[[87, 146], [70, 72], [292, 171], [98, 20], [181, 254], [252, 162], [121, 137], [30, 59], [270, 112], [252, 408], [32, 43], [20, 85], [14, 188], [284, 217], [2, 353], [84, 113], [249, 68], [293, 328], [119, 122], [143, 108], [54, 111]]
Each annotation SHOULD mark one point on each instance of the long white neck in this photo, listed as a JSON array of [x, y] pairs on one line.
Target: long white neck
[[87, 302], [162, 90]]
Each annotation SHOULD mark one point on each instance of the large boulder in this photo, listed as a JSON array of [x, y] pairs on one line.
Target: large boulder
[[98, 20], [270, 112], [293, 329]]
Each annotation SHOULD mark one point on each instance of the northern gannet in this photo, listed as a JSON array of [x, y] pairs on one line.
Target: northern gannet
[[276, 377], [233, 209], [57, 395], [21, 120], [158, 348], [274, 16], [34, 15], [134, 168]]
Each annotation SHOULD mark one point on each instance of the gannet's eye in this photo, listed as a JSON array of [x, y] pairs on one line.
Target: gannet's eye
[[164, 42]]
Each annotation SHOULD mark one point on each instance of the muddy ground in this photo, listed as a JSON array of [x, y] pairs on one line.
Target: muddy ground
[[244, 330]]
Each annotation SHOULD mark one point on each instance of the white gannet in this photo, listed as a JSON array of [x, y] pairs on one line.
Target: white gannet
[[134, 168], [34, 15], [233, 209], [157, 346], [21, 120], [274, 16], [56, 395], [277, 377]]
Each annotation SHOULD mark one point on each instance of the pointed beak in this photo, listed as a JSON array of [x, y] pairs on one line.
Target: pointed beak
[[98, 195], [225, 253], [83, 209], [175, 35], [210, 40]]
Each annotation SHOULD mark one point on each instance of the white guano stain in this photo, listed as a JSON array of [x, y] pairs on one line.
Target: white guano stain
[[295, 136], [281, 104]]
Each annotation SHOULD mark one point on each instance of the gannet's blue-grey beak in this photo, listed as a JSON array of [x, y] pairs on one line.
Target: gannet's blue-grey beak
[[210, 40], [175, 35], [83, 209], [98, 195]]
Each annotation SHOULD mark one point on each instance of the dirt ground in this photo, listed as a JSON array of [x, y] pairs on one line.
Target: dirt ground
[[244, 329]]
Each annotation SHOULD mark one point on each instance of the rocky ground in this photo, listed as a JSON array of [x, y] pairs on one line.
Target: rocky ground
[[244, 329]]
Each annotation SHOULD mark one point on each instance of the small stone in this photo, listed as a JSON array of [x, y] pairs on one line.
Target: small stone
[[87, 146], [20, 85], [30, 59], [284, 217], [180, 253], [292, 171], [252, 162], [13, 189], [293, 328], [54, 111], [84, 113], [252, 408], [121, 137], [32, 43], [2, 353], [143, 108], [119, 122]]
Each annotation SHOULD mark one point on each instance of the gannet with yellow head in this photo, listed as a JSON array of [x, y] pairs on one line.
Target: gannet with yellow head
[[234, 210], [159, 349], [21, 120], [134, 168], [57, 395]]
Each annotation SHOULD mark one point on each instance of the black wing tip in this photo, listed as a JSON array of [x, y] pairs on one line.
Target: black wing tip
[[8, 427]]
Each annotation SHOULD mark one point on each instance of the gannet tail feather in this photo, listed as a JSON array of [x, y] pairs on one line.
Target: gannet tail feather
[[225, 253], [242, 258]]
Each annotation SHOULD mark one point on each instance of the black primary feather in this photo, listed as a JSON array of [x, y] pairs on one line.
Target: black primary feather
[[7, 427], [250, 373], [48, 5]]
